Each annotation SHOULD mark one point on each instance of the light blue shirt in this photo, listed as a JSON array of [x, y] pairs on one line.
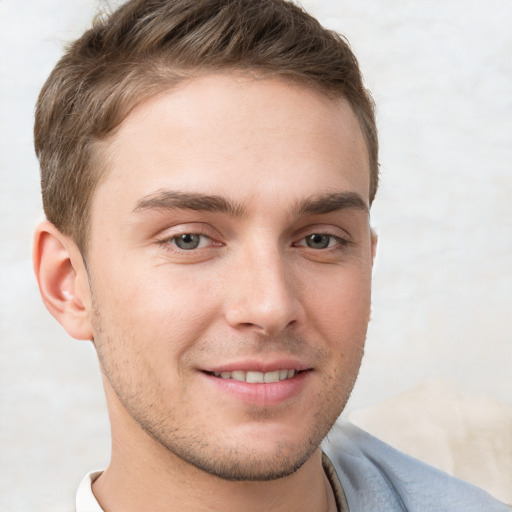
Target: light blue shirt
[[376, 477]]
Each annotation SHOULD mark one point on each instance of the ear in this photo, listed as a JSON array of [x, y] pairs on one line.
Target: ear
[[374, 240], [62, 279]]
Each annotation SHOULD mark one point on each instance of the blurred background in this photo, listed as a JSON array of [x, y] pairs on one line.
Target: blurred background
[[441, 75]]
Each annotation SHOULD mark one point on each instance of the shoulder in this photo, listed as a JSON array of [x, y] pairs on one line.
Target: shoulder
[[375, 476]]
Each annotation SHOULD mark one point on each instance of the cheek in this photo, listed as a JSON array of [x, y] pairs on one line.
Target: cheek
[[342, 305], [158, 310]]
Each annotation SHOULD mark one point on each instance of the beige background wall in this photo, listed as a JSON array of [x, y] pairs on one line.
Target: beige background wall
[[441, 74]]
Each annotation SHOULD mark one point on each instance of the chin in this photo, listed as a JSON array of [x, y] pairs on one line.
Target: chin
[[257, 465], [256, 452]]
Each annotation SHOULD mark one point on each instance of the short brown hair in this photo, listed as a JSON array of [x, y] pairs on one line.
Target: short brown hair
[[145, 47]]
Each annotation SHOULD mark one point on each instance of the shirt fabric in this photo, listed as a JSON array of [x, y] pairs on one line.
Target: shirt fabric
[[376, 477], [368, 475], [85, 499]]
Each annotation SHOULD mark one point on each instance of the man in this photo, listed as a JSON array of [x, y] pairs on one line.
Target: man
[[207, 171]]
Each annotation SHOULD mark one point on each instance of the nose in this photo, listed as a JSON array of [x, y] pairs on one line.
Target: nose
[[262, 294]]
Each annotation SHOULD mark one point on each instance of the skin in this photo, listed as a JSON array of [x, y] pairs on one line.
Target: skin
[[243, 167]]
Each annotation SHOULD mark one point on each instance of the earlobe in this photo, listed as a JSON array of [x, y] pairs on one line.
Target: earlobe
[[62, 280]]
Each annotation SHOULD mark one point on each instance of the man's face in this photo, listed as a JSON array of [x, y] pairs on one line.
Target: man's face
[[230, 265]]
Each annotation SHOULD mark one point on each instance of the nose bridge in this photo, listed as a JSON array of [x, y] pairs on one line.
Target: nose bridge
[[263, 295]]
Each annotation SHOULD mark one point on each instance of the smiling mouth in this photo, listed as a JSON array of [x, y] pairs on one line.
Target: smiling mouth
[[257, 377]]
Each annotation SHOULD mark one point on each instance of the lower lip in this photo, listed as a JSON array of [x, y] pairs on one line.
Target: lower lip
[[261, 394]]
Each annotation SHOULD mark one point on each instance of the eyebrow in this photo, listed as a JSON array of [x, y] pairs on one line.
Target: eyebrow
[[331, 202], [173, 200], [317, 205]]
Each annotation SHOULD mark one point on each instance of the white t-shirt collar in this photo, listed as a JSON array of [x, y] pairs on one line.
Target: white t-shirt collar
[[85, 499]]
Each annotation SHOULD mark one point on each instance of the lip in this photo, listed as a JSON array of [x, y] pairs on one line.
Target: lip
[[260, 394]]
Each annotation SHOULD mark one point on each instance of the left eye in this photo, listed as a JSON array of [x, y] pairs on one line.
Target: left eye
[[189, 241], [320, 241]]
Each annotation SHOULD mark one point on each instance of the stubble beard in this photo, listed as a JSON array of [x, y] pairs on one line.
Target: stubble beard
[[228, 462], [235, 463]]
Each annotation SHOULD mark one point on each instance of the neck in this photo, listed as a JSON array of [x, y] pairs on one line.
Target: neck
[[128, 486]]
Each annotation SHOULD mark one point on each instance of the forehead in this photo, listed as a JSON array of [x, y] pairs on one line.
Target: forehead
[[237, 136]]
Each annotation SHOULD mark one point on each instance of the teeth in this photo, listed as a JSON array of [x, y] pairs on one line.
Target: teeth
[[271, 376], [257, 377], [238, 375]]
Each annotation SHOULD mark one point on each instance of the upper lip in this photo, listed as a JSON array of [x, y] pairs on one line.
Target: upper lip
[[259, 366]]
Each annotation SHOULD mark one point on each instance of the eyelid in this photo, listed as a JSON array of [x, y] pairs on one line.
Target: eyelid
[[183, 228]]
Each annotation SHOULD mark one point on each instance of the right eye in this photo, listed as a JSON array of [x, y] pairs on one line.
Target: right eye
[[190, 241], [320, 241]]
